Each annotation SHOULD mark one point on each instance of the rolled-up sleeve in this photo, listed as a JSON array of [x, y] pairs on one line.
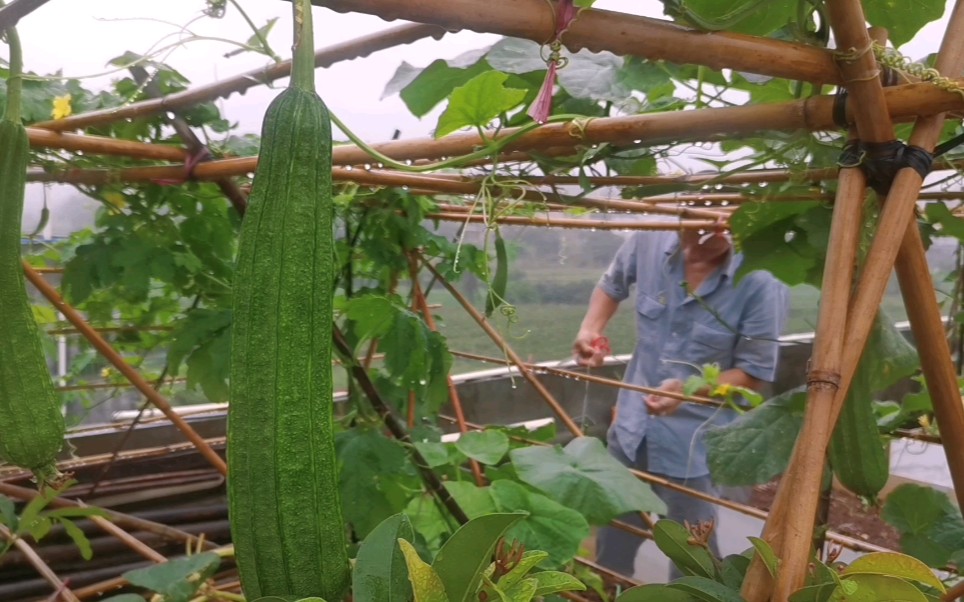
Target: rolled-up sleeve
[[621, 274], [758, 348]]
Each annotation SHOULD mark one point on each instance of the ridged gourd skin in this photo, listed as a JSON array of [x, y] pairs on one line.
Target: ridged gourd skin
[[31, 423], [287, 527], [859, 458]]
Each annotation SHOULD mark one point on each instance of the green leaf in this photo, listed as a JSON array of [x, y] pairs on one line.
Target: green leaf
[[77, 535], [488, 447], [743, 16], [426, 583], [530, 559], [672, 539], [375, 478], [653, 593], [551, 582], [766, 554], [587, 75], [583, 476], [895, 565], [733, 570], [756, 446], [435, 453], [916, 509], [702, 588], [814, 593], [873, 588], [478, 102], [8, 513], [522, 591], [380, 573], [465, 555], [428, 87], [373, 315], [902, 19], [177, 579]]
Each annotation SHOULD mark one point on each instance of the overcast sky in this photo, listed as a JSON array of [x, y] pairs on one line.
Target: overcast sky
[[80, 38]]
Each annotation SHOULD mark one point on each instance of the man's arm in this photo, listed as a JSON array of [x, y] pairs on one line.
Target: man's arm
[[601, 308]]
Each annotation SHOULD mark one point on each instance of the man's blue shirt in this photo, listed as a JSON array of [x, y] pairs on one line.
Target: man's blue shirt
[[733, 325]]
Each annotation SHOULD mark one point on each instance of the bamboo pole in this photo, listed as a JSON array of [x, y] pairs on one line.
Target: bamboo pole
[[101, 145], [61, 589], [118, 519], [124, 368], [11, 14], [619, 33], [794, 512], [894, 222], [561, 222], [324, 57], [812, 114], [513, 357], [915, 285]]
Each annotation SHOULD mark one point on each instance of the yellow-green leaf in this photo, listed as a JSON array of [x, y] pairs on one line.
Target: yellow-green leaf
[[426, 583], [894, 564], [873, 588], [478, 102]]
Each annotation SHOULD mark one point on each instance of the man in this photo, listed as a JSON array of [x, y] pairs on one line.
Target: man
[[689, 312]]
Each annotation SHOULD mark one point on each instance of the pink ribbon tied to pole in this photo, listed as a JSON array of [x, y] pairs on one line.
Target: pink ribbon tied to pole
[[542, 106]]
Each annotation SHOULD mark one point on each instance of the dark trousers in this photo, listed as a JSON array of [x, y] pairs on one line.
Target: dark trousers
[[616, 549]]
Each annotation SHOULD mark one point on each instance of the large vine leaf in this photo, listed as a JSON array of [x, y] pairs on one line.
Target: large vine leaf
[[783, 238], [477, 102], [756, 446], [902, 20], [177, 580], [590, 75], [375, 479], [463, 558], [550, 526], [585, 477], [423, 89], [931, 527], [380, 573], [757, 17]]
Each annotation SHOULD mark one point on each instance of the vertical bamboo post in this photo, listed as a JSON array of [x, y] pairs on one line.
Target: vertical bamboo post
[[822, 380], [894, 222], [917, 289]]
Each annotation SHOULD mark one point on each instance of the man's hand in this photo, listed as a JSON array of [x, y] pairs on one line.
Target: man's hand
[[590, 349], [659, 405]]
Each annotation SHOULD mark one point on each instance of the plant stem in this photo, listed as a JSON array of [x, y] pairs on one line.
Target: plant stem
[[303, 53], [15, 77], [257, 32]]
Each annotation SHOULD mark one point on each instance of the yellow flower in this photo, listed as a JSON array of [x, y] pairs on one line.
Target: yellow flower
[[62, 107], [723, 390], [106, 372], [115, 201]]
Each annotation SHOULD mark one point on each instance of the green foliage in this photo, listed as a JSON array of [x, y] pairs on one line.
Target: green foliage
[[585, 477], [931, 527], [902, 20], [177, 580], [478, 102], [380, 573], [36, 519], [463, 557]]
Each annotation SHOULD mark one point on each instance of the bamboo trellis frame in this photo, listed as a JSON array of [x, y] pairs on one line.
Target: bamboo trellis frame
[[872, 109]]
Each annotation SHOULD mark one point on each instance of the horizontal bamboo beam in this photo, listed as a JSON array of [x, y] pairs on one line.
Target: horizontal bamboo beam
[[813, 114], [619, 33], [101, 145], [16, 10], [325, 57], [548, 221]]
